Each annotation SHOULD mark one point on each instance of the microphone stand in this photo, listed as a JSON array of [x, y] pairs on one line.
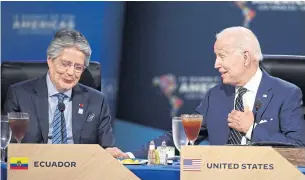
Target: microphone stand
[[62, 124], [61, 107]]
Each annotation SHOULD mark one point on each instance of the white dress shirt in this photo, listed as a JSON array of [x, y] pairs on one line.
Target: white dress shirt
[[249, 98], [53, 101]]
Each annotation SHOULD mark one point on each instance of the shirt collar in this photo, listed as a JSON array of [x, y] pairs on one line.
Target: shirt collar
[[52, 89], [253, 84]]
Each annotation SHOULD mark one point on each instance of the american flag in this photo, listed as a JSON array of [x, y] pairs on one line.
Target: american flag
[[191, 164]]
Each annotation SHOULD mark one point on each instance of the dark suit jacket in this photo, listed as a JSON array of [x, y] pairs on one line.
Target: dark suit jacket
[[31, 96], [280, 118]]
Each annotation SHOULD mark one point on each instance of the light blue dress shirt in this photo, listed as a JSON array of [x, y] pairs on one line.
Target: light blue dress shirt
[[53, 101]]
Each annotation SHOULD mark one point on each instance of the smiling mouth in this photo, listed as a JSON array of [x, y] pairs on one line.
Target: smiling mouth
[[222, 74], [67, 81]]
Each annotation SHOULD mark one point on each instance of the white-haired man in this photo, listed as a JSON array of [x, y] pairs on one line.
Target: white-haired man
[[229, 108]]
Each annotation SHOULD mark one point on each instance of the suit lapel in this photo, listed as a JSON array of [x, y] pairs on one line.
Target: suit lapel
[[79, 98], [264, 94], [230, 96], [40, 100]]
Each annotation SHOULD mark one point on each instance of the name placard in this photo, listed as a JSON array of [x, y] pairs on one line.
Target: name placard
[[63, 161], [235, 162]]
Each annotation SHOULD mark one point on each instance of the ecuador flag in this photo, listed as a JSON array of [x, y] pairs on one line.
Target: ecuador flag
[[19, 163]]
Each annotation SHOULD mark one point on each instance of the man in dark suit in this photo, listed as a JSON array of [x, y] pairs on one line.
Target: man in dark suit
[[229, 108], [86, 118]]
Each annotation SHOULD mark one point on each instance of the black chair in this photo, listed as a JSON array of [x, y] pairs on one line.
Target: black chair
[[287, 67], [13, 72]]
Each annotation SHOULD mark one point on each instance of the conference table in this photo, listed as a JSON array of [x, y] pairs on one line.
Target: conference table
[[146, 172]]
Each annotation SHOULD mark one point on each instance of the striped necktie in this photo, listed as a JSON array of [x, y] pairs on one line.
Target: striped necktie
[[236, 136], [59, 124]]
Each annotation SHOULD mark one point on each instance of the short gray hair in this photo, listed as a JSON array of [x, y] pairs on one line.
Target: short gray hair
[[67, 38], [245, 38]]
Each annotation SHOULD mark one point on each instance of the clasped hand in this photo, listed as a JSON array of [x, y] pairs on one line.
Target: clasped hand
[[241, 121]]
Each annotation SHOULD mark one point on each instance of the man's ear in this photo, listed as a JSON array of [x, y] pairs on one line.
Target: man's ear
[[49, 61], [247, 59]]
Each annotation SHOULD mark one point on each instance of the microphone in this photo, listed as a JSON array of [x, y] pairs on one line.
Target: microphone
[[62, 107], [257, 105]]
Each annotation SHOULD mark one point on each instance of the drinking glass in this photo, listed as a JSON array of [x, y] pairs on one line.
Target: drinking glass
[[192, 125], [179, 136], [6, 135], [18, 123]]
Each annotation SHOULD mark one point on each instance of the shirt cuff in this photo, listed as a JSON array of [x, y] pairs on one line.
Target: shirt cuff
[[249, 133], [130, 155]]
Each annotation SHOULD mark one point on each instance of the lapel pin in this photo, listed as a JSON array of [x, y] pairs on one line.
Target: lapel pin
[[80, 110], [264, 95]]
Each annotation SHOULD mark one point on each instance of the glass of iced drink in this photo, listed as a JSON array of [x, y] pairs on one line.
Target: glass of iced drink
[[18, 122], [192, 124]]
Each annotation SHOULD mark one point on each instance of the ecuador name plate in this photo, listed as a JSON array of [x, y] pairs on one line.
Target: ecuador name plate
[[63, 161]]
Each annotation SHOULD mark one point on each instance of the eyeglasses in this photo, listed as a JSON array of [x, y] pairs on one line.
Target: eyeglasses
[[67, 64]]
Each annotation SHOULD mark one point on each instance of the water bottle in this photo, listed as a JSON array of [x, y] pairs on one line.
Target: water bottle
[[163, 153], [151, 153]]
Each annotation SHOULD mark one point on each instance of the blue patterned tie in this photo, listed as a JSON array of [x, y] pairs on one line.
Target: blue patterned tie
[[57, 128], [236, 136]]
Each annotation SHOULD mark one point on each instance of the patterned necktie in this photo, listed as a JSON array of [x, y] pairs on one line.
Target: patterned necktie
[[236, 136], [58, 122]]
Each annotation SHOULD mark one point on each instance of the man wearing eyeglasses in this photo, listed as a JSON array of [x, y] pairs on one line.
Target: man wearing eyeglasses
[[62, 111]]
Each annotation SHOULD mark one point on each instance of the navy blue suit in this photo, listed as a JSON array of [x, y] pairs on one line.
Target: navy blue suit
[[280, 118], [93, 126]]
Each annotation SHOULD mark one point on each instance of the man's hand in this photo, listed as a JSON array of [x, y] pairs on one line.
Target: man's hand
[[116, 152], [241, 121]]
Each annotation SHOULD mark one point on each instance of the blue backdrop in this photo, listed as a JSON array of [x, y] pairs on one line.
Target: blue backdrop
[[28, 27]]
